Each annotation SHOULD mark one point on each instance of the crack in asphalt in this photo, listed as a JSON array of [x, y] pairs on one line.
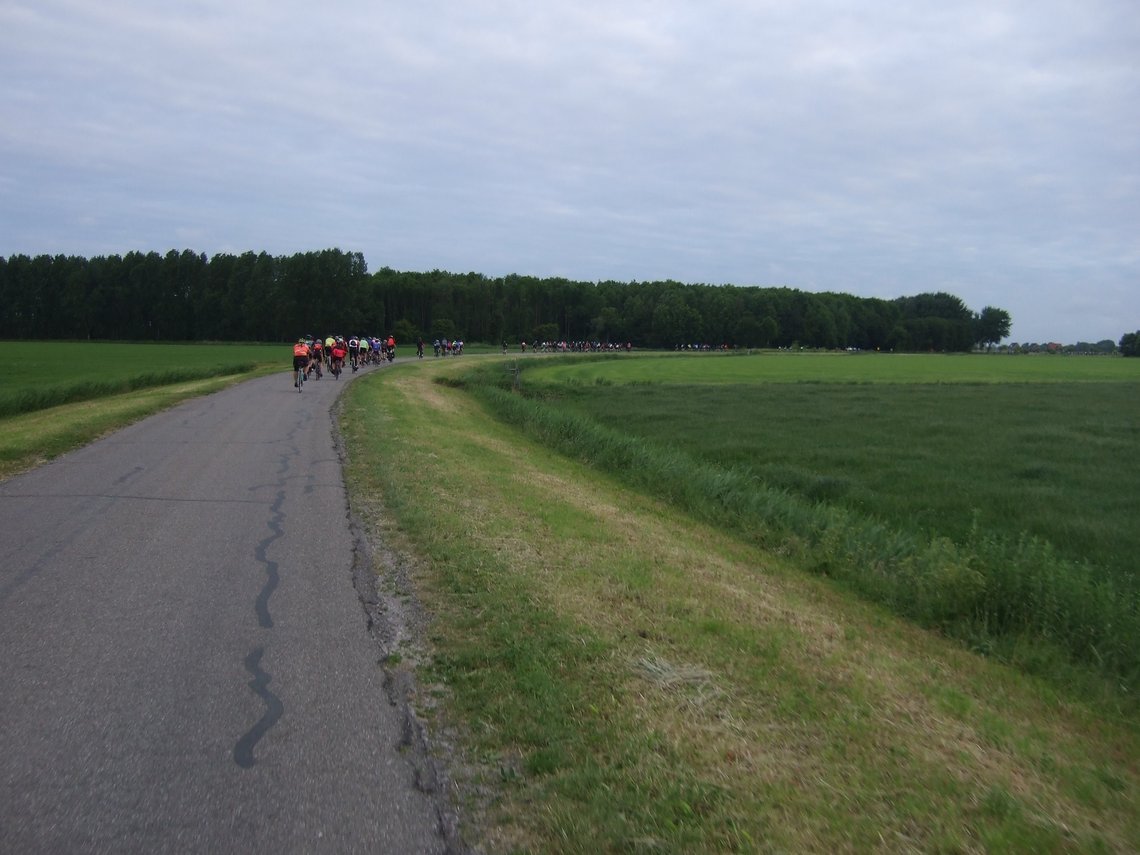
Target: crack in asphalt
[[272, 575], [274, 709]]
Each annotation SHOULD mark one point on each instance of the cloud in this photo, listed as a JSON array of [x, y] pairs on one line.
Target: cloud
[[990, 149]]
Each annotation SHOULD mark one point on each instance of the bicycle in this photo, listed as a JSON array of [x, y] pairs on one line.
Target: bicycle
[[299, 377]]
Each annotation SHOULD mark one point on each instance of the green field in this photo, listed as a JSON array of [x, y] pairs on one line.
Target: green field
[[47, 374], [60, 395], [822, 367], [635, 643], [934, 445], [999, 512]]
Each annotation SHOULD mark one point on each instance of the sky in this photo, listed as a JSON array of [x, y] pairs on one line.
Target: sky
[[987, 148]]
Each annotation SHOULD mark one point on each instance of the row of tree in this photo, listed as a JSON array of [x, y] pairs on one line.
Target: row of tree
[[1104, 347], [186, 296]]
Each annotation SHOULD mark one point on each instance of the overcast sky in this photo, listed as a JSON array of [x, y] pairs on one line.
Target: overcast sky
[[986, 148]]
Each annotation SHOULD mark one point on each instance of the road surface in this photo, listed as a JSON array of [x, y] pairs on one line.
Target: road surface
[[186, 664]]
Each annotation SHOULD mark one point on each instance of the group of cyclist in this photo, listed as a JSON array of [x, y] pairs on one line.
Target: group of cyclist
[[312, 354], [445, 347]]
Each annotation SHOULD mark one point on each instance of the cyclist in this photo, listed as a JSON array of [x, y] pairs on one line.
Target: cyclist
[[318, 351], [302, 356], [354, 352], [339, 351]]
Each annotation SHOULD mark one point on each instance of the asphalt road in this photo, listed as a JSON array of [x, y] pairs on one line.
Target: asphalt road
[[186, 664]]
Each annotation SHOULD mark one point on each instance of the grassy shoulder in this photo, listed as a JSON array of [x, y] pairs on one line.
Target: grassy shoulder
[[623, 677], [49, 374], [29, 439]]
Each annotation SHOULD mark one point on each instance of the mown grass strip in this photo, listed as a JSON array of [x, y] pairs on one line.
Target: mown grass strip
[[32, 438], [618, 677], [29, 400], [1010, 597]]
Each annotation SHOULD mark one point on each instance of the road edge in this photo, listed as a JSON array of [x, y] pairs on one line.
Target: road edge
[[394, 619]]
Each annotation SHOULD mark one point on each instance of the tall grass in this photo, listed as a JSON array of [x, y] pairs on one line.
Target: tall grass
[[1059, 461], [1012, 597]]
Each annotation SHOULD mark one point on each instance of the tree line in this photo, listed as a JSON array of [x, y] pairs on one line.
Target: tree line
[[1130, 343], [187, 296]]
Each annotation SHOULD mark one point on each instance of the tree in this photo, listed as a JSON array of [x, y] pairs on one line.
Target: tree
[[405, 331], [747, 332], [674, 321], [991, 326], [545, 332], [607, 325], [444, 328], [1130, 344]]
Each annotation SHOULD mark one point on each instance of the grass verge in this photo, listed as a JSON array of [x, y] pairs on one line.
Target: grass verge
[[619, 676], [1013, 597], [42, 398], [33, 438], [45, 374]]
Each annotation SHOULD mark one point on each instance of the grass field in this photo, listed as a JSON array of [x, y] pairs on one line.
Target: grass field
[[1056, 458], [47, 374], [617, 672], [60, 395], [820, 367], [999, 512]]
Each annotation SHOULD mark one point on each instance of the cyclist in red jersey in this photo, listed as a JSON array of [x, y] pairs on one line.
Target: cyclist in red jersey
[[339, 351]]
